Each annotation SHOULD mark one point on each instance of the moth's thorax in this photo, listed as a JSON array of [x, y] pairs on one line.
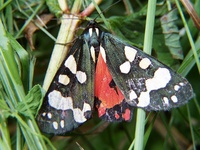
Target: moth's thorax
[[94, 38]]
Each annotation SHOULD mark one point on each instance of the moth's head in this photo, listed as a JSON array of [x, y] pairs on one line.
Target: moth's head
[[92, 24]]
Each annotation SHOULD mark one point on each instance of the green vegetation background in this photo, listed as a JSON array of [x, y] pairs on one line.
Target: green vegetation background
[[23, 69]]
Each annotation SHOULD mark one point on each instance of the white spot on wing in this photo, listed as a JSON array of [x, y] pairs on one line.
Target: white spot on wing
[[125, 67], [166, 101], [62, 123], [55, 125], [130, 53], [144, 63], [44, 114], [63, 79], [174, 99], [103, 53], [70, 63], [49, 115], [181, 84], [176, 87], [81, 76], [144, 99], [132, 95], [57, 101], [160, 79], [86, 107], [79, 115], [92, 51]]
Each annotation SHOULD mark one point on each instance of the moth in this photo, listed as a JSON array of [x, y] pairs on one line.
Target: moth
[[104, 72]]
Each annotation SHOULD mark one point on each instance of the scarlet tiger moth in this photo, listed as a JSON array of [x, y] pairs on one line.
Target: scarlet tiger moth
[[124, 77]]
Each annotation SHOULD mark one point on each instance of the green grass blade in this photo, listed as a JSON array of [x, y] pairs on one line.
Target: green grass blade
[[148, 39], [189, 35]]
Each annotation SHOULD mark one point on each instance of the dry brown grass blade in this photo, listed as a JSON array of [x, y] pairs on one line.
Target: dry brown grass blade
[[191, 11], [33, 26]]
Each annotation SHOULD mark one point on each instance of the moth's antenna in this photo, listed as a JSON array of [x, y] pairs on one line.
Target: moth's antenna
[[101, 12]]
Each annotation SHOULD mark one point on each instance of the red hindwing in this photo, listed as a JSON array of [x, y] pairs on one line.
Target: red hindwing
[[111, 104]]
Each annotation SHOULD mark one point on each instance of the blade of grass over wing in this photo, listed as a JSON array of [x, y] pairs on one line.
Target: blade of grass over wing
[[148, 39], [68, 27]]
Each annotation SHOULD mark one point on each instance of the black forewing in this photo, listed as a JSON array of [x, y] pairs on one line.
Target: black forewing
[[80, 93], [136, 79]]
